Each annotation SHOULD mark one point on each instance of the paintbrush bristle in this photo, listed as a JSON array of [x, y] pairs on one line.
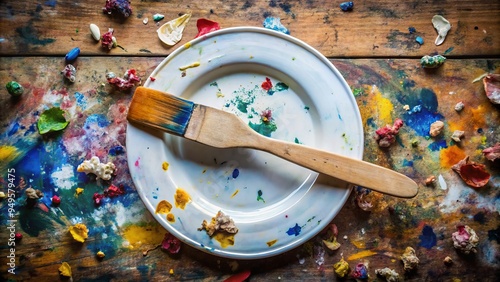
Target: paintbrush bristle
[[160, 110]]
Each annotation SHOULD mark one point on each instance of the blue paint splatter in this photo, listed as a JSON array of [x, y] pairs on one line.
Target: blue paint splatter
[[275, 24], [371, 122], [407, 163], [117, 150], [346, 6], [98, 119], [80, 99], [420, 40], [437, 145], [428, 238], [14, 128], [143, 269], [51, 3], [294, 230], [421, 121], [236, 173]]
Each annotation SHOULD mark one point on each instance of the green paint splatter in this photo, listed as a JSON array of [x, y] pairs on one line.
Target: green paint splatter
[[259, 196], [264, 128], [296, 140], [52, 120], [306, 108], [280, 86], [357, 92]]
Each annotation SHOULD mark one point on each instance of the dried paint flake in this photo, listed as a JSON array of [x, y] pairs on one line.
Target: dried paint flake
[[347, 6], [474, 174], [410, 259], [65, 269], [192, 65], [332, 243], [121, 7], [457, 135], [389, 274], [431, 180], [465, 239], [491, 84], [436, 128], [362, 200], [341, 268], [158, 17], [56, 200], [79, 232], [130, 78], [145, 20], [108, 41], [419, 40], [432, 61], [163, 207], [385, 136], [78, 191], [492, 153], [52, 120], [69, 72], [94, 166], [206, 26], [95, 32], [448, 260], [171, 32], [219, 223], [100, 255], [459, 106], [442, 27], [14, 88], [275, 24], [171, 244], [97, 198], [72, 55], [360, 271]]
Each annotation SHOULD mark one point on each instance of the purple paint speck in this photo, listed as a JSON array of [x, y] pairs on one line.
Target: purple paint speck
[[294, 230]]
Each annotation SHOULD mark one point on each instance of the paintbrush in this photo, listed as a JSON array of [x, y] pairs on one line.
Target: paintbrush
[[221, 129]]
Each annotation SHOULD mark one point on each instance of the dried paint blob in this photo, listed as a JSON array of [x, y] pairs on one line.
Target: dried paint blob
[[442, 27], [100, 255], [341, 268], [390, 275], [94, 166], [457, 135], [108, 41], [347, 6], [129, 80], [171, 32], [121, 7], [491, 84], [165, 166], [360, 271], [14, 88], [206, 26], [331, 243], [362, 198], [275, 24], [294, 231], [79, 232], [222, 227], [181, 198], [56, 200], [171, 244], [158, 17], [72, 55], [474, 174], [459, 106], [52, 120], [65, 269], [419, 40], [410, 259], [465, 239], [97, 199], [385, 136], [492, 153], [163, 207], [95, 32], [436, 128], [69, 72], [432, 61], [448, 260]]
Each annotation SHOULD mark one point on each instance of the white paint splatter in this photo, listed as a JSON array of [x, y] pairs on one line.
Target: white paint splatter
[[442, 182], [63, 178]]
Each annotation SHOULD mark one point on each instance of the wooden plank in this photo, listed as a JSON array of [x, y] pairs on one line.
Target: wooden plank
[[373, 29], [382, 87]]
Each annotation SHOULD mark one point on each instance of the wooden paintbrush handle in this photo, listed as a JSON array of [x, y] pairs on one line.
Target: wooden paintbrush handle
[[355, 171]]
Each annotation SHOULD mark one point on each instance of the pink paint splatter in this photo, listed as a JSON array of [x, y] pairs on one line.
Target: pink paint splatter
[[385, 136], [137, 162], [171, 244], [129, 79], [206, 26]]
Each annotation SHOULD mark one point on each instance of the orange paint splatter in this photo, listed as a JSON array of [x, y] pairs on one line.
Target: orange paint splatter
[[163, 207], [182, 198], [450, 156]]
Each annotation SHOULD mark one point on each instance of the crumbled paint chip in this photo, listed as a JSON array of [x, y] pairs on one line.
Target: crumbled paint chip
[[69, 72], [491, 84], [436, 128], [410, 259], [385, 136], [206, 26], [158, 17], [457, 135], [360, 271], [220, 222], [390, 275], [474, 174], [448, 260], [65, 269], [430, 180], [2, 195], [181, 198], [465, 239], [121, 7], [18, 236], [406, 107], [347, 6], [332, 242], [459, 106], [432, 61], [341, 268], [79, 191], [145, 20], [14, 88], [129, 80], [419, 40], [107, 41], [442, 27], [171, 32], [33, 193], [79, 232], [492, 153], [56, 200], [94, 166]]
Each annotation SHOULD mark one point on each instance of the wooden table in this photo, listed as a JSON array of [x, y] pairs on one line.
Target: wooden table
[[372, 48]]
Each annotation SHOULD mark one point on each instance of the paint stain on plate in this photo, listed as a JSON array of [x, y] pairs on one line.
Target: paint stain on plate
[[181, 198], [295, 230], [165, 166], [271, 243]]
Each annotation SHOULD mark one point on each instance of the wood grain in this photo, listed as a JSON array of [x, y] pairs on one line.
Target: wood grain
[[373, 29]]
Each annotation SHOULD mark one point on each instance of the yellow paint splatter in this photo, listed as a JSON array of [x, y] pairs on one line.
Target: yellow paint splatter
[[8, 154], [235, 192], [65, 269], [219, 95], [78, 191], [165, 166], [170, 217], [225, 239], [360, 244], [137, 235], [383, 106], [181, 198], [79, 232], [171, 271], [272, 242], [163, 207], [187, 45], [362, 254], [192, 65], [450, 156]]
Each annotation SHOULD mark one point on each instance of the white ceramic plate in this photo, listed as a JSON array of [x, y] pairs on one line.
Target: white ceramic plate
[[275, 204]]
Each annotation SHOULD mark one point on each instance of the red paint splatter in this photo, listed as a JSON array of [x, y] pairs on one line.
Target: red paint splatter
[[129, 79], [97, 198], [474, 174], [267, 85], [18, 236], [137, 162], [239, 277], [43, 207], [171, 244], [114, 191], [56, 200], [206, 26], [152, 78], [385, 136]]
